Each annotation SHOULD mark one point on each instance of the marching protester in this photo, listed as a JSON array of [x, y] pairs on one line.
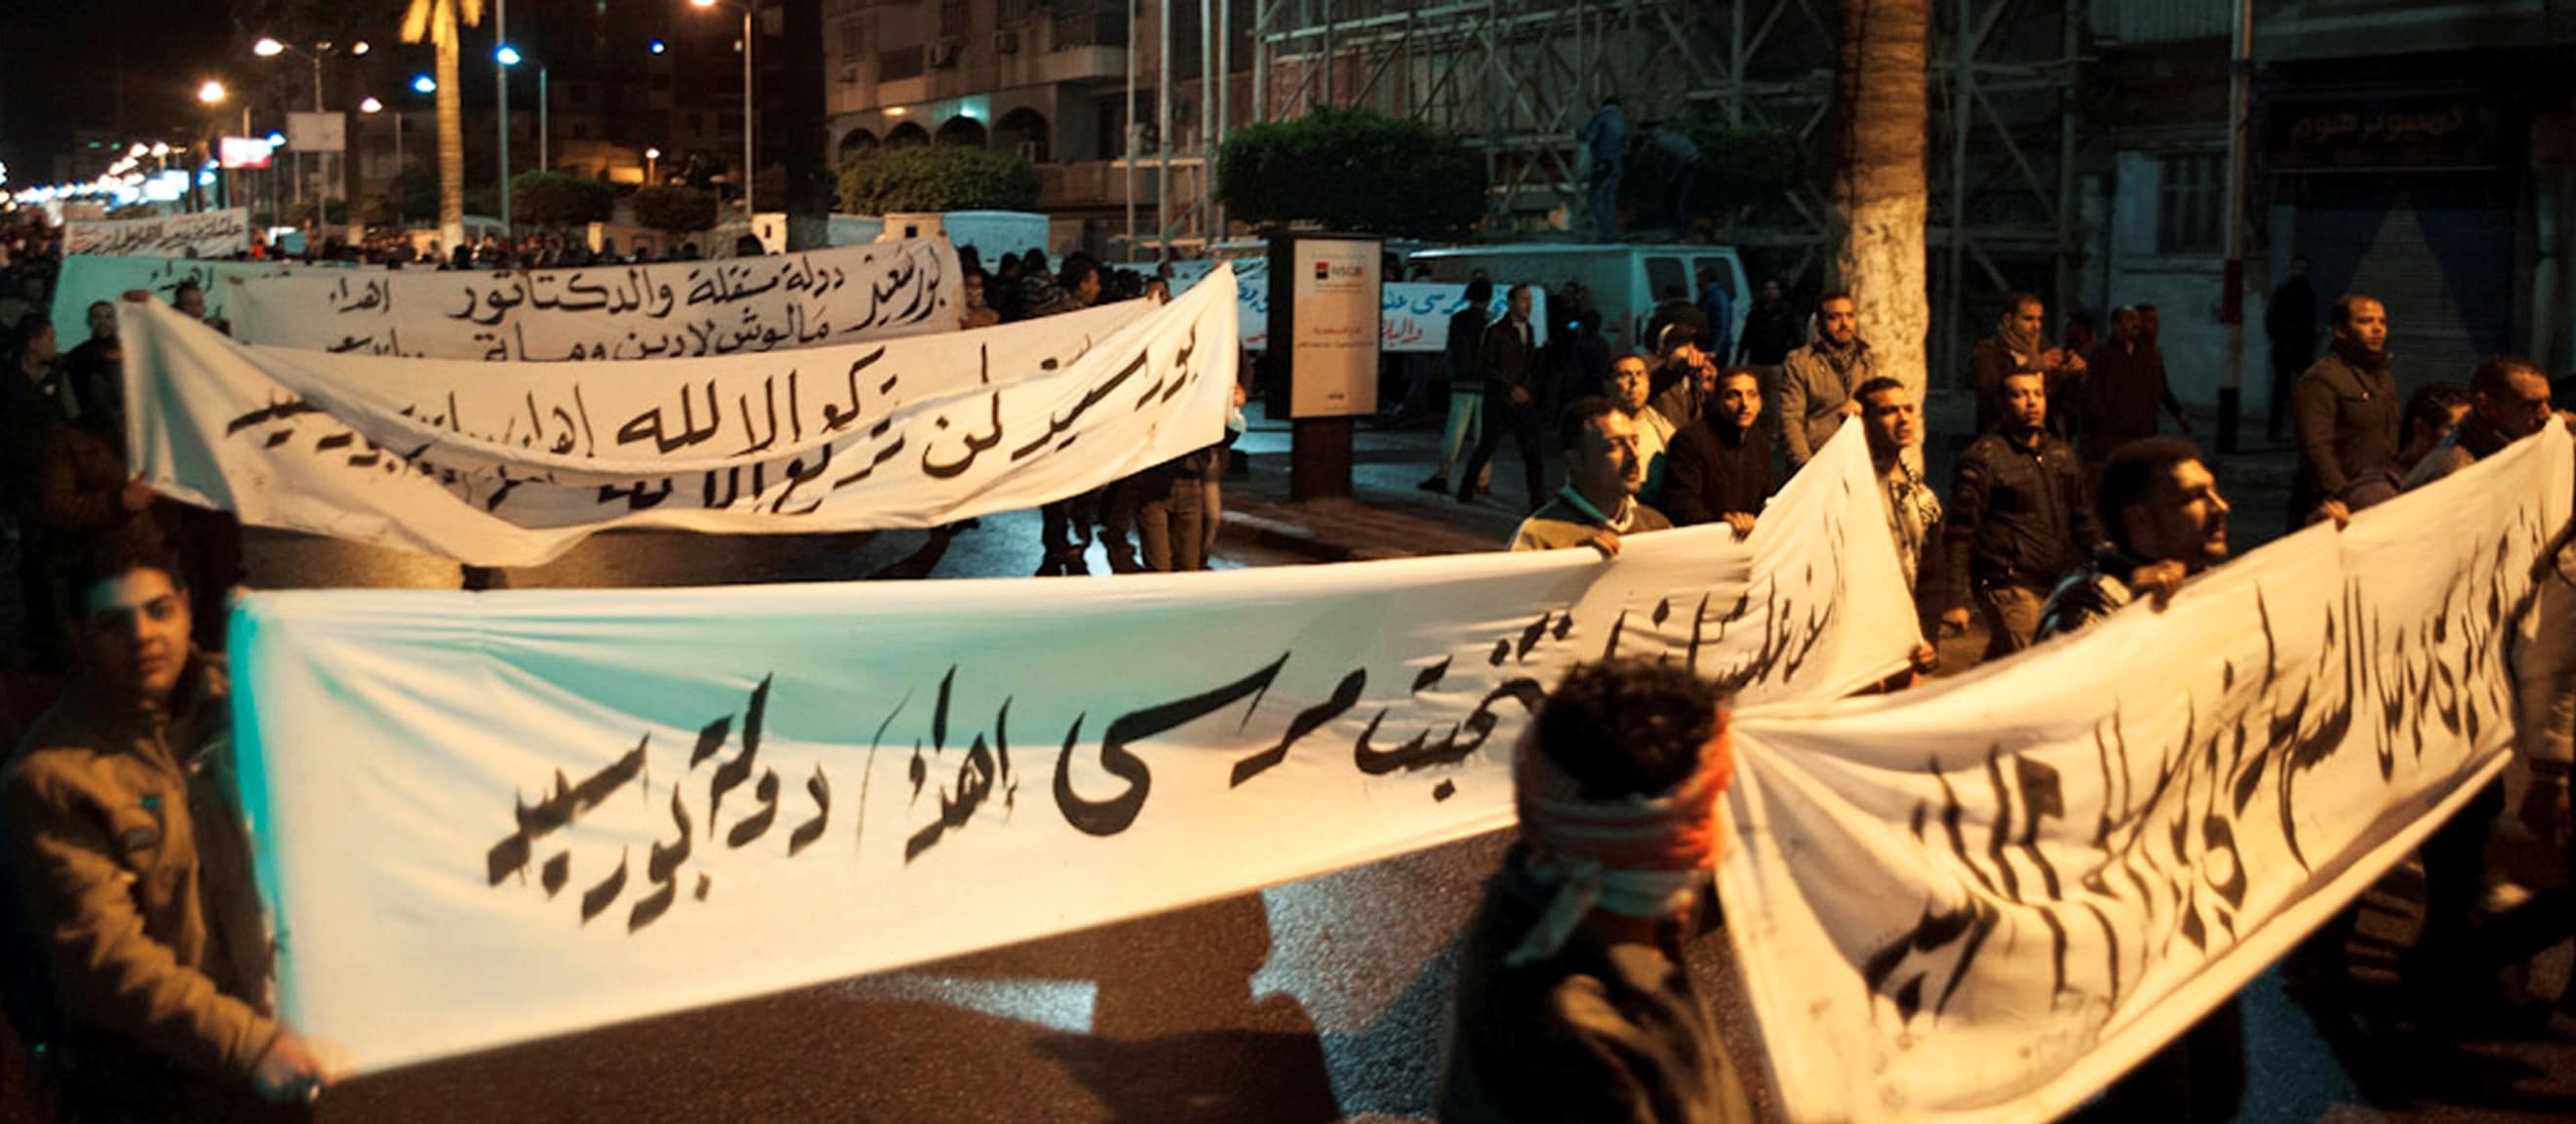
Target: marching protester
[[1064, 527], [2020, 346], [2019, 520], [2508, 401], [1894, 426], [1717, 310], [94, 369], [134, 870], [1629, 379], [1602, 474], [2346, 408], [2123, 386], [1770, 328], [1514, 400], [1466, 384], [2166, 523], [1688, 376], [1720, 466], [2290, 323], [1819, 382], [1574, 1000]]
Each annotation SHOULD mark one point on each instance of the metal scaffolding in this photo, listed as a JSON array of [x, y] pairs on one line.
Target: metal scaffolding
[[1521, 77]]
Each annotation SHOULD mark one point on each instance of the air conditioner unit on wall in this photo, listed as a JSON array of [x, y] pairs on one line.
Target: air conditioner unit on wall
[[943, 53], [1006, 41]]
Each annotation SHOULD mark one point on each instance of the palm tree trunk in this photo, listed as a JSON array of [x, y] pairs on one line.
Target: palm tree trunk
[[1882, 80], [451, 145]]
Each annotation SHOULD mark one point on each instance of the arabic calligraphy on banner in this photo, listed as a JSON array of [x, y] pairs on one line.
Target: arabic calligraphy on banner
[[209, 234], [1982, 900], [1413, 315], [511, 464], [673, 310], [86, 279], [559, 810]]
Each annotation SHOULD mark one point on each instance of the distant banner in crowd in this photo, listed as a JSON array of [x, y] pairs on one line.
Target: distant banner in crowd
[[1984, 900], [673, 310], [87, 279], [209, 234], [1414, 315], [558, 810], [511, 464]]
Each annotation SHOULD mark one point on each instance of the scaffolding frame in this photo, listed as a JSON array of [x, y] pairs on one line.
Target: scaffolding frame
[[1520, 77]]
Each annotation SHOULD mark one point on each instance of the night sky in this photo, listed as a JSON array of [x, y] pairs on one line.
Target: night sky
[[60, 59]]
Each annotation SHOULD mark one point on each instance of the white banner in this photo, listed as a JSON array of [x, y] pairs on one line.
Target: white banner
[[1413, 316], [511, 464], [1984, 900], [208, 234], [674, 310], [557, 810], [87, 279]]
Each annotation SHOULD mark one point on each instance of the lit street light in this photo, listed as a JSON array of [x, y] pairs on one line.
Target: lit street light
[[747, 126], [652, 156], [423, 84], [371, 105], [212, 93], [267, 48], [508, 55]]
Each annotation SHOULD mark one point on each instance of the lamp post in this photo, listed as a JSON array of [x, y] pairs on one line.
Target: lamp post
[[748, 167], [210, 95], [507, 56], [652, 157]]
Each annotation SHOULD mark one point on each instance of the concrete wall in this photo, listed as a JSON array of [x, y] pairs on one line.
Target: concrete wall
[[2185, 290]]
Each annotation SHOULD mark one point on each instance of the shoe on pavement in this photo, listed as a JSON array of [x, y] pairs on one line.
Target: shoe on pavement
[[1436, 484]]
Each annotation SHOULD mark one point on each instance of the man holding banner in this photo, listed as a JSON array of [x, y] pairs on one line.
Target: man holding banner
[[1603, 472], [134, 866]]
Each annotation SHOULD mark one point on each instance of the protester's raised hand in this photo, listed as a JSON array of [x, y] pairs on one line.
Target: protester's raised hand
[[1606, 541], [1742, 521], [1954, 622]]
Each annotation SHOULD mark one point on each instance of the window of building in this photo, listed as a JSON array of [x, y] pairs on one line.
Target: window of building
[[854, 39], [953, 18], [899, 64], [2191, 203]]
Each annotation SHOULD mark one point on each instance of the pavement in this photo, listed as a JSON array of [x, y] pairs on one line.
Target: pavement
[[1320, 1000]]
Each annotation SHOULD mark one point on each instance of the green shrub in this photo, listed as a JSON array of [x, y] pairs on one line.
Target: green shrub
[[675, 208], [1351, 169], [881, 181]]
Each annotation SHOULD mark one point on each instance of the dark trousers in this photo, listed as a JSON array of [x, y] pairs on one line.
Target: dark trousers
[[1522, 422], [2446, 955], [2286, 368]]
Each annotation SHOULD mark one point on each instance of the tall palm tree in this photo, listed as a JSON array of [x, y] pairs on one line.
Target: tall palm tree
[[443, 22], [1882, 81]]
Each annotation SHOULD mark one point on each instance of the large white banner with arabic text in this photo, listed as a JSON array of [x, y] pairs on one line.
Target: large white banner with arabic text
[[86, 279], [510, 464], [556, 810], [208, 234], [1983, 900], [671, 310]]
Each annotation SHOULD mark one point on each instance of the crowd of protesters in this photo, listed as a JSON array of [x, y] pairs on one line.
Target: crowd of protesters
[[2068, 504]]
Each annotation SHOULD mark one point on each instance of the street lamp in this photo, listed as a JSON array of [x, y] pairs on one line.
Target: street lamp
[[747, 134], [652, 156], [423, 84]]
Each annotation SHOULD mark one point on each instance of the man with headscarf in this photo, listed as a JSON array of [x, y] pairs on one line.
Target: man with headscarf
[[1574, 1000]]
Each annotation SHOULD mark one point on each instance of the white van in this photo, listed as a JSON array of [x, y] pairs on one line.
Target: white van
[[1626, 280]]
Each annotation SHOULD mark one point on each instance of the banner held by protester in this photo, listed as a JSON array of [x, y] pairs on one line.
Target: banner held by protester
[[511, 464], [557, 810], [1984, 899], [208, 234], [840, 295]]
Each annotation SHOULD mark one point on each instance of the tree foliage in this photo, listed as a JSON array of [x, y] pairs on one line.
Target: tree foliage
[[936, 178], [675, 208], [1351, 169], [557, 199]]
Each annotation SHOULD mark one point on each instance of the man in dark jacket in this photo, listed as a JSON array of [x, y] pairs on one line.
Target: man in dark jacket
[[1466, 380], [2019, 345], [1770, 328], [134, 868], [1719, 467], [1513, 401], [2347, 408], [2167, 523], [2290, 321], [2123, 385], [2019, 520]]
